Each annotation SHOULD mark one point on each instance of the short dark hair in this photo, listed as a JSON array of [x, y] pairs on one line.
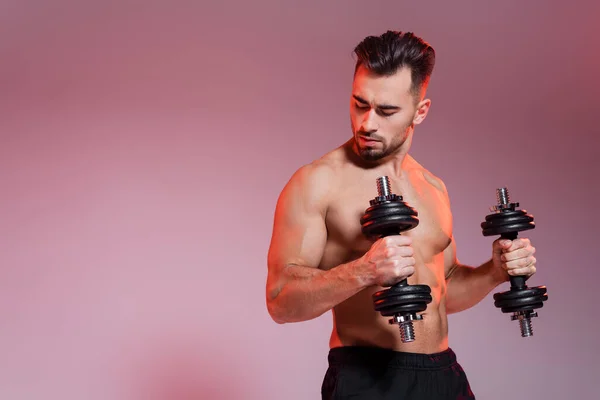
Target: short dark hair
[[387, 53]]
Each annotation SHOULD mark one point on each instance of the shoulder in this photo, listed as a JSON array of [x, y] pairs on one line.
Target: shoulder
[[430, 179], [312, 184], [435, 181]]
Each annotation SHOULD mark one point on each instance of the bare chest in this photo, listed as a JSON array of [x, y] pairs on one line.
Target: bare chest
[[346, 240]]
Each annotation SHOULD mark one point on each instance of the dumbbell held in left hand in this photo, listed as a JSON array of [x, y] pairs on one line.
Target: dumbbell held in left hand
[[521, 300]]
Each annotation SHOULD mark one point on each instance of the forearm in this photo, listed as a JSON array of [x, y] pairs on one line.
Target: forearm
[[307, 292], [467, 286]]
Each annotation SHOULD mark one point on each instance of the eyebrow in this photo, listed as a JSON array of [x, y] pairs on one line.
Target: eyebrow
[[380, 106]]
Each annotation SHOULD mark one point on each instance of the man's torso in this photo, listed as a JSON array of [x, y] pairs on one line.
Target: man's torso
[[355, 321]]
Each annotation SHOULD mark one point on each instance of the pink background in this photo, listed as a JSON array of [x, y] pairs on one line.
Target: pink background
[[144, 146]]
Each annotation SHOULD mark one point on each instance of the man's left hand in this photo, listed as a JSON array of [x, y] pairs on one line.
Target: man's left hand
[[515, 257]]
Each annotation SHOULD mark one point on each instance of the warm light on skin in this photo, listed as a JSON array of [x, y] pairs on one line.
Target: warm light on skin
[[384, 109]]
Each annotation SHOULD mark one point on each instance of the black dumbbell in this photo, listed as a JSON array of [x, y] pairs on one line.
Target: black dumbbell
[[521, 300], [389, 215]]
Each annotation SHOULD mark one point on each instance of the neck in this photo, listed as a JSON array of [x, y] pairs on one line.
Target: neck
[[399, 161]]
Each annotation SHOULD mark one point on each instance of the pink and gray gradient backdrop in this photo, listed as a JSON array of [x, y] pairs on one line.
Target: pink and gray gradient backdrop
[[144, 145]]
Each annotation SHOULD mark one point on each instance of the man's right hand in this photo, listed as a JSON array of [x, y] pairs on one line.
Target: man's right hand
[[388, 261]]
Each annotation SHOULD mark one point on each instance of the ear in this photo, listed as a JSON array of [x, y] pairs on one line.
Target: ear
[[422, 110]]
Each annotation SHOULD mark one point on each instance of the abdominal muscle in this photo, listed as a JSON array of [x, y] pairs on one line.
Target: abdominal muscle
[[356, 323]]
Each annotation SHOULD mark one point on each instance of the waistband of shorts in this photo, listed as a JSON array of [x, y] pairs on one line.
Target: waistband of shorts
[[361, 355]]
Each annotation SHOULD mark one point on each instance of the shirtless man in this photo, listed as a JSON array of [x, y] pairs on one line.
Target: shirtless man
[[319, 260]]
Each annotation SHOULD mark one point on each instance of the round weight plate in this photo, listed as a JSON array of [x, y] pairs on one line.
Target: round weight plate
[[402, 299], [507, 222], [521, 300]]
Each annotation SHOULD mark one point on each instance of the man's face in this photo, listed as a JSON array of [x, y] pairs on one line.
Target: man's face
[[383, 111]]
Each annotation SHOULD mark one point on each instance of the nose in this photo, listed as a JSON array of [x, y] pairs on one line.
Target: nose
[[369, 122]]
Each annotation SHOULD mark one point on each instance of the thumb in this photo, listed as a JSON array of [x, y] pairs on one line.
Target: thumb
[[501, 245]]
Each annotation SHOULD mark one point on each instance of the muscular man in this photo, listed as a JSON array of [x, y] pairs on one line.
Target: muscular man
[[319, 260]]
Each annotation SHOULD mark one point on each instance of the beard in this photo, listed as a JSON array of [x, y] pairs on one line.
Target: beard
[[371, 154]]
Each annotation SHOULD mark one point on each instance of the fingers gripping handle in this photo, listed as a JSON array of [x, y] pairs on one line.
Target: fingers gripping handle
[[516, 282]]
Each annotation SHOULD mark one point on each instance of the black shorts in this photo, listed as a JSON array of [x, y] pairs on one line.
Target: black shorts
[[374, 373]]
